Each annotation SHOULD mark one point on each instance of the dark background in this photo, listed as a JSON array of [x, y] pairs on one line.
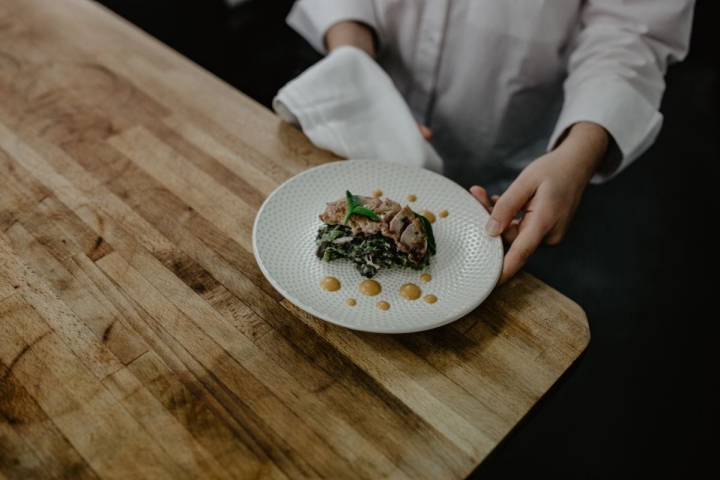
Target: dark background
[[640, 259]]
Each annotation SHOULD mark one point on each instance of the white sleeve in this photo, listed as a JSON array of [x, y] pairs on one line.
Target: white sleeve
[[312, 18], [616, 69]]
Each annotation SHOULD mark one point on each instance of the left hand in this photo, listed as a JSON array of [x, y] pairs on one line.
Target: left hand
[[425, 132], [539, 205]]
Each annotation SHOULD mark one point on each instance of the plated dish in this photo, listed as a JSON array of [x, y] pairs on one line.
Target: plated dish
[[374, 233], [410, 289]]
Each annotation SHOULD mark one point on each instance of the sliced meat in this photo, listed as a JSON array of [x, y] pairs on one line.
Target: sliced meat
[[413, 241], [387, 209], [384, 209], [401, 220], [370, 202], [361, 223], [397, 223], [334, 212]]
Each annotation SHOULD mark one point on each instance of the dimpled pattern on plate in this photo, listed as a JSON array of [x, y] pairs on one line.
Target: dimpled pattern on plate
[[464, 271]]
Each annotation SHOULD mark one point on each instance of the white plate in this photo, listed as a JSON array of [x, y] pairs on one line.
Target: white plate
[[464, 271]]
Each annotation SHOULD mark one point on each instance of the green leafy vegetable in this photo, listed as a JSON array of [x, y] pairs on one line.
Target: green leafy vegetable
[[369, 253], [355, 207], [428, 229]]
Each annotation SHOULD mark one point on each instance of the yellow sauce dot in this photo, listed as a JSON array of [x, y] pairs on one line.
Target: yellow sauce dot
[[425, 277], [411, 197], [428, 214], [369, 287], [443, 213], [330, 284], [430, 298], [377, 193], [350, 302], [383, 305], [410, 291]]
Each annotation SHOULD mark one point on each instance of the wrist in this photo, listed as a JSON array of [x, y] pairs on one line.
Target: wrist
[[352, 33], [588, 143]]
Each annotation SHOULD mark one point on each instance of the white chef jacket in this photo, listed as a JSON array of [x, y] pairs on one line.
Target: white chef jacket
[[499, 81]]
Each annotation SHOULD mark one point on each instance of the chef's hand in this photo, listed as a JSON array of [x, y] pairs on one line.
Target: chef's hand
[[539, 205]]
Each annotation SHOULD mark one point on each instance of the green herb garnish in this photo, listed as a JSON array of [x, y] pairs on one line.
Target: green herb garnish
[[428, 229], [355, 207]]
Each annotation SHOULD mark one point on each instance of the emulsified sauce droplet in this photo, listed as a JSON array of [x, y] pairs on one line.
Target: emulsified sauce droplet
[[410, 291], [411, 197], [425, 277], [383, 305], [369, 287], [350, 302], [377, 193], [330, 284], [430, 298], [443, 213], [428, 214]]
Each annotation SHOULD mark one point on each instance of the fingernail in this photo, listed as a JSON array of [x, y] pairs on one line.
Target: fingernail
[[492, 227]]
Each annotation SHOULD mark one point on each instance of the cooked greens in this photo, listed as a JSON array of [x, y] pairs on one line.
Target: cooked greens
[[369, 252], [428, 229]]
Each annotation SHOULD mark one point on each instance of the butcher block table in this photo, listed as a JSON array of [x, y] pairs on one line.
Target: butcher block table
[[138, 336]]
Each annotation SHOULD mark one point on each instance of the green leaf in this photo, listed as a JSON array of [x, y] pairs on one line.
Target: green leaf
[[351, 202], [355, 207], [428, 229], [365, 211]]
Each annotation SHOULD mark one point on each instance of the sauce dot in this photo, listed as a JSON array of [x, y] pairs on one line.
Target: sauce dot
[[410, 291], [411, 197], [369, 287], [377, 193], [428, 214], [425, 277], [330, 284], [383, 305], [443, 213], [430, 298], [350, 302]]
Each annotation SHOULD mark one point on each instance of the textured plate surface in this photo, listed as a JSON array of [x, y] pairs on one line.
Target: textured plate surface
[[464, 271]]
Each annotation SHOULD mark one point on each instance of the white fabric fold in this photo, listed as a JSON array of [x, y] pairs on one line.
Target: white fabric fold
[[347, 104]]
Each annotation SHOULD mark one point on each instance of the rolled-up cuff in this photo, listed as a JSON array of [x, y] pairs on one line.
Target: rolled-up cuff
[[632, 121], [312, 18]]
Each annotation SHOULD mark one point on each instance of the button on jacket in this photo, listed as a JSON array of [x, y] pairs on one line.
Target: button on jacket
[[499, 81]]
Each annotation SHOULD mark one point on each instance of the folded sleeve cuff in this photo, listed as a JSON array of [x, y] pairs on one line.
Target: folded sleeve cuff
[[312, 18], [629, 118]]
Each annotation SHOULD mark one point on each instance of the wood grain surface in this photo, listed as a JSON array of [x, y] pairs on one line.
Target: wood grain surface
[[138, 336]]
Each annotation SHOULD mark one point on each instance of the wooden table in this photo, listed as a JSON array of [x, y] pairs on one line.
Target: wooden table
[[139, 338]]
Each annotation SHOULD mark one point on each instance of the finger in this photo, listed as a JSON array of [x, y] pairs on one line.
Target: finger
[[530, 236], [495, 198], [511, 232], [425, 131], [508, 205], [482, 196]]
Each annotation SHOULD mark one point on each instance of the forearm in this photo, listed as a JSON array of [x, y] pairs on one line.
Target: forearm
[[615, 71], [351, 33]]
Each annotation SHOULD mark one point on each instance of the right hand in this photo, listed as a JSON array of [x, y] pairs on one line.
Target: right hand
[[539, 204]]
